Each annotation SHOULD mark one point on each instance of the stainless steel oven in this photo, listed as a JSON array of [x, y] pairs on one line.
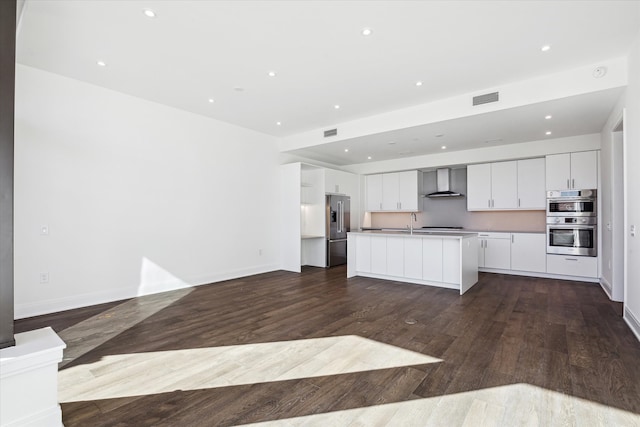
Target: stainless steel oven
[[572, 236], [567, 203]]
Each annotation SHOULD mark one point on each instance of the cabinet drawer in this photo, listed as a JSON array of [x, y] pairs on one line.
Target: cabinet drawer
[[572, 265]]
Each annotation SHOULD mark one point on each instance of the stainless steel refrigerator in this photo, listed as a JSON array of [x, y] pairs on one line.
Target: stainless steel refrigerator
[[338, 217]]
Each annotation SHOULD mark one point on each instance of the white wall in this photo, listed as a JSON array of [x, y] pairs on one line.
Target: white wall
[[138, 197], [632, 131], [611, 226]]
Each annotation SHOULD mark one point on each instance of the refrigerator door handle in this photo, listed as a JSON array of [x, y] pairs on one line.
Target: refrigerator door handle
[[337, 240], [339, 216]]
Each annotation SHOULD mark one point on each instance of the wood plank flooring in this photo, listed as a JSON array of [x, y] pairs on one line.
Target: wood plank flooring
[[314, 349]]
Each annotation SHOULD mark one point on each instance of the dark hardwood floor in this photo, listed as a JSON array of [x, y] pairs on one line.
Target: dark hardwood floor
[[562, 336]]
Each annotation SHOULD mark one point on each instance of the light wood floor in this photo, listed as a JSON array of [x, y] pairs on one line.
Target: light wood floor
[[317, 349]]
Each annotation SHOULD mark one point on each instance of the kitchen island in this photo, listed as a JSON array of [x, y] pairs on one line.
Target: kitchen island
[[436, 258]]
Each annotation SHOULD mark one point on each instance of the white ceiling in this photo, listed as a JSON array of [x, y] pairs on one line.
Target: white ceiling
[[196, 50]]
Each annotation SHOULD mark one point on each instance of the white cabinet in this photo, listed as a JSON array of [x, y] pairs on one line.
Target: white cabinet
[[531, 188], [506, 185], [529, 252], [390, 191], [572, 171], [379, 255], [494, 250], [413, 258], [432, 259], [395, 256], [363, 253], [394, 191], [451, 261], [479, 186], [340, 182], [374, 192], [580, 266]]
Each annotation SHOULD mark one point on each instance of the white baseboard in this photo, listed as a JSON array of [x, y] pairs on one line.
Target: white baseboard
[[76, 301], [538, 274], [632, 321], [606, 287]]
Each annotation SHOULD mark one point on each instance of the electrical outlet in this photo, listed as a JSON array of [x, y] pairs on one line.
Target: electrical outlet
[[632, 230], [44, 277], [44, 230]]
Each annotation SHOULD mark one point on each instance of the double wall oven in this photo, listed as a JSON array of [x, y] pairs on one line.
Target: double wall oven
[[572, 227]]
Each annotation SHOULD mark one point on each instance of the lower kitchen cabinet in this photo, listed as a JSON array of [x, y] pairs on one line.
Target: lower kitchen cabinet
[[494, 250], [413, 258], [432, 259], [528, 252], [378, 255], [395, 256], [363, 253], [449, 262], [581, 266]]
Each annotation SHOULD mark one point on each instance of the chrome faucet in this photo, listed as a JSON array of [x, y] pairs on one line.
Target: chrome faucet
[[412, 218]]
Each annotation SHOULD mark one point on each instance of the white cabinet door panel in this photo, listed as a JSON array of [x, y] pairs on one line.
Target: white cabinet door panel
[[432, 259], [390, 191], [558, 171], [395, 256], [531, 186], [451, 261], [504, 185], [413, 258], [497, 253], [479, 186], [408, 191], [584, 170], [581, 266], [529, 252], [363, 253], [374, 193], [379, 255]]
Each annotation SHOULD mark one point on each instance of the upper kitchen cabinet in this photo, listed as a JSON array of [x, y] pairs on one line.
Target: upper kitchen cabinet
[[506, 185], [394, 192], [571, 171], [531, 190]]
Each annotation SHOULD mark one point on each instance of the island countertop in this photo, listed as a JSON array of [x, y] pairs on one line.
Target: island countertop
[[416, 233]]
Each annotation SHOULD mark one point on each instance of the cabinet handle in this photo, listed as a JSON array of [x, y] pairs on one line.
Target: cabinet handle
[[571, 259], [512, 240], [488, 203], [518, 202], [573, 183], [493, 203], [380, 205], [399, 205]]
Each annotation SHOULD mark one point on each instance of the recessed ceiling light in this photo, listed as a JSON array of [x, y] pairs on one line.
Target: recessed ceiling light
[[337, 107], [369, 158], [278, 123], [547, 117], [418, 83], [272, 73], [211, 100], [101, 63], [444, 147], [548, 132], [366, 31], [149, 13], [545, 48], [346, 150]]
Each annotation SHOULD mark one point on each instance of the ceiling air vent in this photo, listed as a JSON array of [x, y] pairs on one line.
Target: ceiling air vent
[[330, 132], [486, 98]]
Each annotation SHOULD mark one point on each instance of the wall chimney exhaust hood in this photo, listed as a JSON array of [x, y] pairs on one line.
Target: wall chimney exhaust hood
[[443, 180]]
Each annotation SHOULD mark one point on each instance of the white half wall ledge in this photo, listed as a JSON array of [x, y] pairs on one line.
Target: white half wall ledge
[[29, 380]]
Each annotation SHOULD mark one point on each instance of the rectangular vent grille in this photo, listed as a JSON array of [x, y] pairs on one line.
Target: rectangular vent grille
[[330, 132], [485, 99]]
